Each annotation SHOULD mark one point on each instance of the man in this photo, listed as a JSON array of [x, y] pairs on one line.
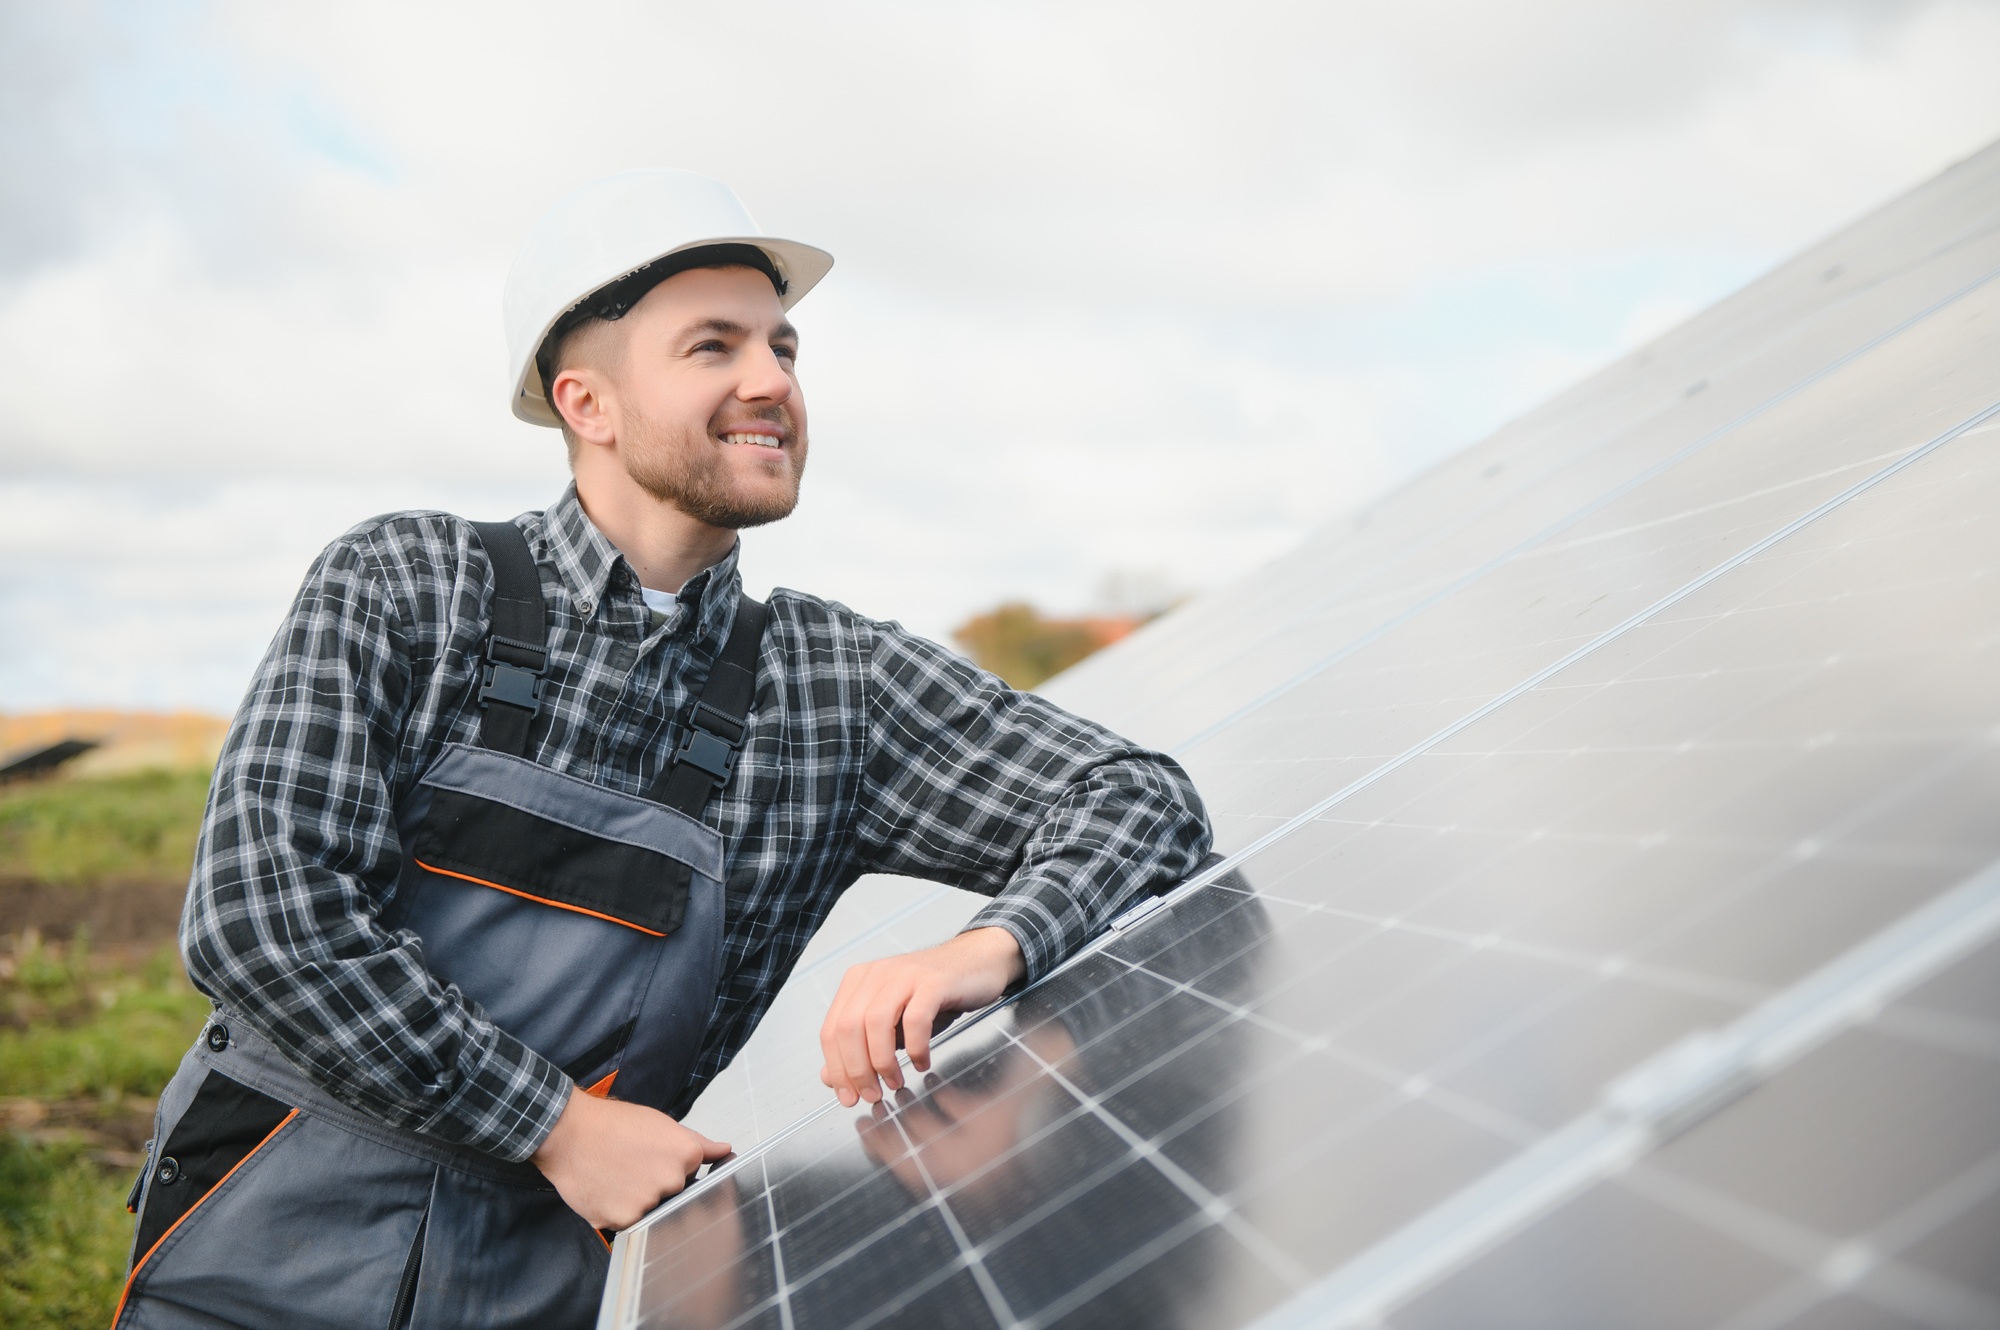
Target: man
[[518, 810]]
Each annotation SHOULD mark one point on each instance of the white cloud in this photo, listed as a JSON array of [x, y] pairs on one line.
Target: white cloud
[[1128, 286]]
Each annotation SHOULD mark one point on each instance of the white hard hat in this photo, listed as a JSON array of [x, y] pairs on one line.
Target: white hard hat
[[612, 228]]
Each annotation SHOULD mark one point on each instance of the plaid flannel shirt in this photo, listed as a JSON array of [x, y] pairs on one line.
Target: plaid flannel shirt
[[870, 750]]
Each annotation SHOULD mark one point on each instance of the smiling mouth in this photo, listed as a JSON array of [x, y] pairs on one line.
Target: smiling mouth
[[771, 441]]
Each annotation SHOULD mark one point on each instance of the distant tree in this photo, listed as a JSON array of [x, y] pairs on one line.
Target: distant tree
[[1017, 643]]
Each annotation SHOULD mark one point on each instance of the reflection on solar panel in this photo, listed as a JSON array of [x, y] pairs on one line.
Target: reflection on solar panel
[[1610, 928]]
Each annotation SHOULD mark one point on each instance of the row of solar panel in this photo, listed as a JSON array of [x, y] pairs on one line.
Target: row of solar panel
[[1552, 789]]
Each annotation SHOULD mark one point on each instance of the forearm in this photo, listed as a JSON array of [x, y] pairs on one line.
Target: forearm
[[379, 1033], [974, 784], [1130, 828], [289, 943]]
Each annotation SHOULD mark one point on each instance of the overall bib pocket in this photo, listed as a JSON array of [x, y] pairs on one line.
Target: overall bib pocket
[[552, 902]]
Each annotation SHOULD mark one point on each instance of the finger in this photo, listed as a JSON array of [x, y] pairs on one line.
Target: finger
[[833, 1073], [854, 1058], [630, 1211], [846, 1049], [715, 1149], [918, 1019], [700, 1151], [879, 1025], [833, 1048]]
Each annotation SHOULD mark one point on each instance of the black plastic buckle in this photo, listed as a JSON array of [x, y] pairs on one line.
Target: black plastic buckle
[[720, 723], [501, 682], [709, 752], [513, 672]]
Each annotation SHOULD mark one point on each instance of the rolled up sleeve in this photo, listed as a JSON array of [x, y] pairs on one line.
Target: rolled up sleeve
[[298, 853], [972, 783]]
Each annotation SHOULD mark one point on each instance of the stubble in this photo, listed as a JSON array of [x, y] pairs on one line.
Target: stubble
[[686, 469]]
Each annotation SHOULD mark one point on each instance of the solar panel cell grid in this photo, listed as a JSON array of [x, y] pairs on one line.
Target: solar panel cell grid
[[1901, 1232], [773, 1082]]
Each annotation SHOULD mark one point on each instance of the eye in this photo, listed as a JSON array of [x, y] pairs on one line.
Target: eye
[[784, 352], [710, 345]]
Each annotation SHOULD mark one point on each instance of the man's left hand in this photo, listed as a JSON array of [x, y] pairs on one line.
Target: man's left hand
[[891, 1003]]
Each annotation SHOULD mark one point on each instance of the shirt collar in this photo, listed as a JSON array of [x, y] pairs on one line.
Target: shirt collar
[[710, 595], [586, 560], [583, 557]]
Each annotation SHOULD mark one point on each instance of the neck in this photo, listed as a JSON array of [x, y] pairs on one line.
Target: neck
[[664, 545]]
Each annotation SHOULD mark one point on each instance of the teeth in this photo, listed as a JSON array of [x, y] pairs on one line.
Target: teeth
[[757, 440]]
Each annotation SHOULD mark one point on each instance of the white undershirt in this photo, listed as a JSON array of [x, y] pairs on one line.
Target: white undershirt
[[664, 605]]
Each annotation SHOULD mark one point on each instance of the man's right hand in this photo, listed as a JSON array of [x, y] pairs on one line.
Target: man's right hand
[[611, 1162]]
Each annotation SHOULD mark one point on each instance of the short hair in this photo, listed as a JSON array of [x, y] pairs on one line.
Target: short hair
[[614, 301]]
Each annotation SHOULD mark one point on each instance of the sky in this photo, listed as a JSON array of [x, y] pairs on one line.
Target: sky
[[1128, 297]]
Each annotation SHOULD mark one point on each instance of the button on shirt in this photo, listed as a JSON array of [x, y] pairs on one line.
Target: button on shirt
[[870, 750]]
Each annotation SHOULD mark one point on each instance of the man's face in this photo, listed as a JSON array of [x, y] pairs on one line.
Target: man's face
[[705, 397]]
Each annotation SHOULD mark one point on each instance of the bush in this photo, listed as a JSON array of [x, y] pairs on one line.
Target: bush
[[1023, 647]]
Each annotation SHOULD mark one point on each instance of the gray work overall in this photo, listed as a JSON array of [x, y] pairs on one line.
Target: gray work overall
[[584, 921]]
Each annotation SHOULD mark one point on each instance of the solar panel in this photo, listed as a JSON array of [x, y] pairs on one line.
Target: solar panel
[[774, 1078], [1609, 932]]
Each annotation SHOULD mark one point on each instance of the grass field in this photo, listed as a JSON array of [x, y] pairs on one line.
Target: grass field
[[137, 826], [88, 1035]]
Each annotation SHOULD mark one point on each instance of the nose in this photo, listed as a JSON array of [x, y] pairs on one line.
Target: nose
[[764, 377]]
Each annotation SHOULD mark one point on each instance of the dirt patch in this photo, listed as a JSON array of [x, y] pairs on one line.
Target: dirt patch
[[115, 1130], [117, 914]]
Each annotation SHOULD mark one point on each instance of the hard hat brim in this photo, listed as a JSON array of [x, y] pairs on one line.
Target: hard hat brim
[[801, 265]]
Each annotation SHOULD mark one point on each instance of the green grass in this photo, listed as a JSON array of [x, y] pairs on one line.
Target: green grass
[[64, 1236], [91, 1040], [140, 825], [86, 1041], [78, 1030]]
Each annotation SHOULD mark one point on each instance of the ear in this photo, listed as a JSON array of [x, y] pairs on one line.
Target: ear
[[579, 396]]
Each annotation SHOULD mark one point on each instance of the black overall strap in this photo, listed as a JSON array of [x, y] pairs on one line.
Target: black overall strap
[[510, 678], [720, 716]]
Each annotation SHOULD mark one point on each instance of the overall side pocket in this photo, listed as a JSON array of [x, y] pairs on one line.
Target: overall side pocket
[[222, 1127], [405, 1307]]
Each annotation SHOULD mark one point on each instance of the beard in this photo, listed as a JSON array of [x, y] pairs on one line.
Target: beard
[[687, 470]]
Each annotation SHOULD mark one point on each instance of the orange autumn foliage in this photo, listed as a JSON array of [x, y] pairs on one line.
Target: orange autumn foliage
[[1019, 644]]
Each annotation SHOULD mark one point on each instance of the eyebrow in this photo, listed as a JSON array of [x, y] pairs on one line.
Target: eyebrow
[[730, 328]]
